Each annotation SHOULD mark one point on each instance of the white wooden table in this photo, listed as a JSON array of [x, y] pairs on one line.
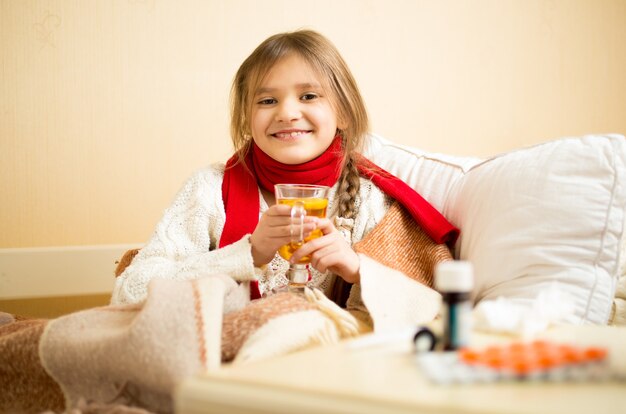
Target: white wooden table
[[386, 379]]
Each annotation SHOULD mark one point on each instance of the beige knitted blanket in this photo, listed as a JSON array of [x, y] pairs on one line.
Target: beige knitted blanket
[[115, 358], [134, 356]]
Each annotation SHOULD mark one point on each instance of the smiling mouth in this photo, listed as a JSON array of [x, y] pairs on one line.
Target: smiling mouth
[[290, 135]]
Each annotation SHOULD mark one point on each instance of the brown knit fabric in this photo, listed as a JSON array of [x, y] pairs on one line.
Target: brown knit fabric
[[399, 243], [238, 326], [25, 387], [126, 259]]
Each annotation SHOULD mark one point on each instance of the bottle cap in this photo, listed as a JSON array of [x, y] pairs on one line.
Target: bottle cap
[[454, 276]]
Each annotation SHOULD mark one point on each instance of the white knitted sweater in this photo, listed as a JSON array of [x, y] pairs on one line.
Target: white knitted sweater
[[184, 244]]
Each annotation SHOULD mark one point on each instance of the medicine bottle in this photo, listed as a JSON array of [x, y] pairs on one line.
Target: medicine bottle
[[455, 280]]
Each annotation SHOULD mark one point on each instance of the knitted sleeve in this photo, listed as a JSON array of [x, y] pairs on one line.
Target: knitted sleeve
[[184, 244]]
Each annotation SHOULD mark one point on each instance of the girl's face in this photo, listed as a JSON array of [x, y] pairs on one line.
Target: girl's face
[[292, 119]]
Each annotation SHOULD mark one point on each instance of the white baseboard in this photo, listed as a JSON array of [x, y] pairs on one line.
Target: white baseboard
[[58, 271]]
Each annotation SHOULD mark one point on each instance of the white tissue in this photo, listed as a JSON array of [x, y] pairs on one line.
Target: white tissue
[[524, 317]]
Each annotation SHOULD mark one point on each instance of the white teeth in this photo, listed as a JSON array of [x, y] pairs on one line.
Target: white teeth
[[292, 134]]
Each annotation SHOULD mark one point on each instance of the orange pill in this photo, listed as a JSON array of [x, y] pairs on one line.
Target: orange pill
[[523, 366], [520, 348], [549, 360], [469, 356], [595, 354], [571, 354]]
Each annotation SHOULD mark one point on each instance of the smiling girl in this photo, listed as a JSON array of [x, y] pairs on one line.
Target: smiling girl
[[296, 117]]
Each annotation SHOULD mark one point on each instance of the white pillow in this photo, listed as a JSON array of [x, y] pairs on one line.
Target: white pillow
[[530, 218]]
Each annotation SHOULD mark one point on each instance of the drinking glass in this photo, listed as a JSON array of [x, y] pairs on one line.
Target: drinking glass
[[305, 200]]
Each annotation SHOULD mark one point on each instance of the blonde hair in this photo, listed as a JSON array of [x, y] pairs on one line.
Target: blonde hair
[[337, 81]]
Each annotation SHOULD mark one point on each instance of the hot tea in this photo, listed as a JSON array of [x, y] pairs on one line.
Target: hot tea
[[313, 207]]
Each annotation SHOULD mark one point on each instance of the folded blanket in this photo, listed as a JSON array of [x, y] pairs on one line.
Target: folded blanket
[[135, 355]]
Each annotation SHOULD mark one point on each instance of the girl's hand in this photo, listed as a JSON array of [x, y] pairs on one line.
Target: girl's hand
[[331, 252], [273, 231]]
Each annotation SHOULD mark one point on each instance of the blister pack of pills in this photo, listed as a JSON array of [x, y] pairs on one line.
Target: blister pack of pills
[[533, 361]]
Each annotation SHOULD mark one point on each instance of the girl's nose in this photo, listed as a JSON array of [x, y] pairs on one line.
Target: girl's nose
[[288, 111]]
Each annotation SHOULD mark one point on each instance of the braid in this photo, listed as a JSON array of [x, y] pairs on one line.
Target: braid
[[349, 184], [348, 189]]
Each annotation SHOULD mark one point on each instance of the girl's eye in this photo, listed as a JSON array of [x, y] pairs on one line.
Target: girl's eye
[[267, 101], [309, 96]]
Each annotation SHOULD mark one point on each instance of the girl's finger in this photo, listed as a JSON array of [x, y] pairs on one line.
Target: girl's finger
[[282, 221], [291, 231], [327, 260], [326, 226], [279, 210], [328, 243], [307, 248]]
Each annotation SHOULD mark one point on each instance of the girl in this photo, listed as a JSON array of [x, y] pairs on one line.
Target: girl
[[296, 117]]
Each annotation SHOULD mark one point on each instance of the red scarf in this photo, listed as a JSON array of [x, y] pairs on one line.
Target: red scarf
[[241, 196]]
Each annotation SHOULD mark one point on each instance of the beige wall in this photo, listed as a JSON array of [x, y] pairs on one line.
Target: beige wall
[[107, 106]]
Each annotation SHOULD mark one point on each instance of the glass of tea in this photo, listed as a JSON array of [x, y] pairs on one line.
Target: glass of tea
[[305, 200]]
